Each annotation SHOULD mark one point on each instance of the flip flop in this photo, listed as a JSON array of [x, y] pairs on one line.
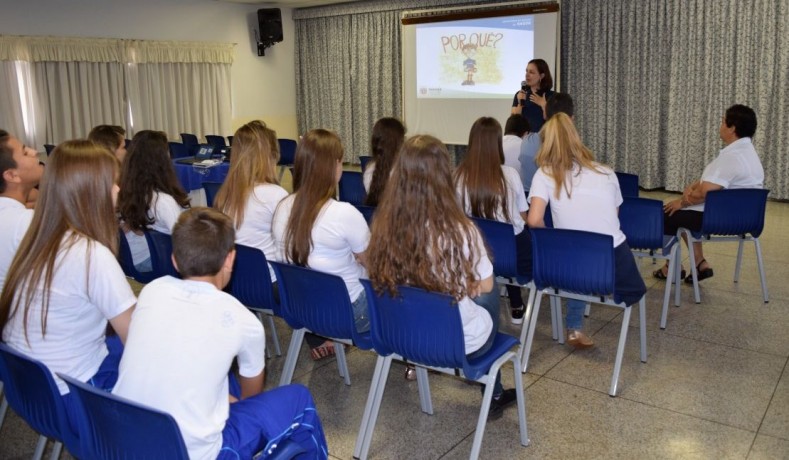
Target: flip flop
[[702, 274], [325, 350]]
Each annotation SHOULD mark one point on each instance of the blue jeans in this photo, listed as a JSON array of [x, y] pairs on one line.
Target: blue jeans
[[361, 315], [490, 302], [575, 314]]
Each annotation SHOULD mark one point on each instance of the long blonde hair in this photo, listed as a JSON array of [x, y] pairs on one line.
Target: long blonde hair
[[253, 161], [76, 197], [561, 150]]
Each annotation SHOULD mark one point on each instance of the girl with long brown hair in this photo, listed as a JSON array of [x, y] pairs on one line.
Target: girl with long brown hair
[[421, 237], [314, 230], [251, 191], [388, 136], [584, 195], [65, 283], [491, 190], [151, 196]]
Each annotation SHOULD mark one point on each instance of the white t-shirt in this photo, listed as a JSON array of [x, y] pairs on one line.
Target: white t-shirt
[[477, 323], [340, 231], [736, 166], [594, 205], [367, 176], [164, 211], [88, 288], [512, 151], [255, 231], [516, 199], [182, 340], [14, 221]]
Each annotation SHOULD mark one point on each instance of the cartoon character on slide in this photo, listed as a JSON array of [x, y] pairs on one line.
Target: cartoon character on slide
[[469, 65]]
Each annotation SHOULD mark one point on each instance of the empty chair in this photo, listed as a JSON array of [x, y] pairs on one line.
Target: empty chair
[[117, 428], [178, 150], [317, 302], [352, 188], [731, 215], [367, 212], [49, 148], [189, 139], [216, 141], [127, 264], [31, 391], [161, 248], [251, 285], [580, 265], [287, 155], [628, 184], [641, 220], [425, 328], [364, 160], [211, 189]]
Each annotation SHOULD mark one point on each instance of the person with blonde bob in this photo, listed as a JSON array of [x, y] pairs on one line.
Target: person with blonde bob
[[489, 189], [251, 191], [444, 252], [314, 230], [583, 195], [65, 284]]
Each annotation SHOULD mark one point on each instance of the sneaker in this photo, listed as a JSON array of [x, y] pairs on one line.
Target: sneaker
[[497, 405], [517, 315]]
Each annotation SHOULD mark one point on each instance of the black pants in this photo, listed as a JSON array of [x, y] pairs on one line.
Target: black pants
[[524, 261]]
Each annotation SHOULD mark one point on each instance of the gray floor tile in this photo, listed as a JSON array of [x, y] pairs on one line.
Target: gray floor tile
[[776, 421], [769, 448]]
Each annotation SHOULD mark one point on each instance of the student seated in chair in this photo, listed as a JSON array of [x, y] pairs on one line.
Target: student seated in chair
[[183, 339]]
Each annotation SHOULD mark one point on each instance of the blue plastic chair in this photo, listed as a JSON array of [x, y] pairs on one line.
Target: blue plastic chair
[[117, 428], [425, 328], [287, 155], [731, 215], [160, 246], [364, 161], [216, 141], [127, 264], [31, 391], [189, 139], [352, 188], [367, 211], [317, 302], [251, 285], [628, 184], [178, 150], [49, 148], [580, 265], [211, 189], [641, 220], [500, 239]]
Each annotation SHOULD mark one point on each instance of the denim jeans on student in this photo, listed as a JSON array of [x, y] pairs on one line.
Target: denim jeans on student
[[575, 314], [490, 302], [361, 317]]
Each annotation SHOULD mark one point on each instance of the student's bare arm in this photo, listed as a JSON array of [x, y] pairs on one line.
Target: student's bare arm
[[121, 323], [250, 386]]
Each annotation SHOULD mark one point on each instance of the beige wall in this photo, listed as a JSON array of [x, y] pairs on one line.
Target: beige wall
[[263, 87]]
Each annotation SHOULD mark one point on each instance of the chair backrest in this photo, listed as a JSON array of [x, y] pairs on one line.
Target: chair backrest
[[178, 150], [160, 246], [127, 263], [421, 326], [365, 160], [188, 139], [500, 238], [287, 151], [117, 428], [49, 148], [230, 140], [211, 189], [573, 260], [31, 391], [735, 212], [628, 184], [352, 188], [216, 141], [318, 301], [641, 220], [251, 281], [367, 212]]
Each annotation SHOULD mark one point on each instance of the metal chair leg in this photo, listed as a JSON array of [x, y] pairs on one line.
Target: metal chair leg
[[738, 264], [620, 352], [530, 335], [672, 278], [293, 356], [379, 393], [642, 325], [368, 407], [342, 362], [760, 262], [423, 383]]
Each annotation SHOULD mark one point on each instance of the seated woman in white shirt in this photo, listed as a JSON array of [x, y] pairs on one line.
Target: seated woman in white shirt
[[151, 196], [443, 253], [489, 189], [65, 283], [251, 191], [584, 195], [387, 138], [314, 230]]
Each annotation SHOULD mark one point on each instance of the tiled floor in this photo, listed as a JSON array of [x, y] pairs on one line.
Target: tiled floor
[[716, 383]]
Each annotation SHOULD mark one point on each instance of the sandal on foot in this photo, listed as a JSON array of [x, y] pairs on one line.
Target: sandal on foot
[[702, 274], [662, 276], [325, 350]]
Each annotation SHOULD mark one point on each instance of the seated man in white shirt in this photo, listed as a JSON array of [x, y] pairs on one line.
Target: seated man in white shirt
[[514, 130], [183, 338], [20, 172], [736, 166]]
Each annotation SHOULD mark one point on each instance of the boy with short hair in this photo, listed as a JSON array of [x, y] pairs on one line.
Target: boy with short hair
[[182, 340]]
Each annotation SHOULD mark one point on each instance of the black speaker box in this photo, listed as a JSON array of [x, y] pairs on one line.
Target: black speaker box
[[270, 22]]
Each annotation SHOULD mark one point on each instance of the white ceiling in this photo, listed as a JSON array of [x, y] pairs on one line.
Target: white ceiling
[[289, 3]]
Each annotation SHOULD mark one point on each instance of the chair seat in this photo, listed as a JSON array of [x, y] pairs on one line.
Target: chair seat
[[479, 366]]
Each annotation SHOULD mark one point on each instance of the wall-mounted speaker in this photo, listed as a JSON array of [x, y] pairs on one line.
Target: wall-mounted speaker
[[270, 26]]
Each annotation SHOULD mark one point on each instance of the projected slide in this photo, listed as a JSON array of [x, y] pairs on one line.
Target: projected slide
[[477, 58]]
